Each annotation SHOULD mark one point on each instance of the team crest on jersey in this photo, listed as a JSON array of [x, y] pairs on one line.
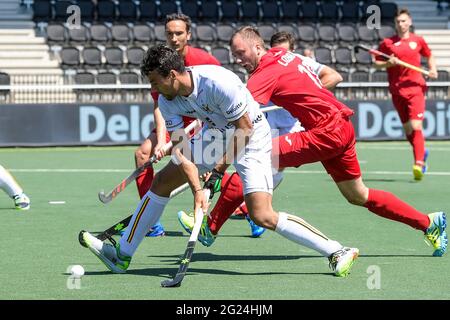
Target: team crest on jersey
[[413, 45], [397, 43], [206, 108]]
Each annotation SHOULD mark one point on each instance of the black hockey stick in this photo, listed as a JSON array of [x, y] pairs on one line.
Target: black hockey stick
[[108, 233], [106, 198], [182, 269]]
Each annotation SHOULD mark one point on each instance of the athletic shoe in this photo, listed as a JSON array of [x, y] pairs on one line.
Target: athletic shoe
[[256, 230], [107, 253], [436, 233], [205, 236], [418, 172], [425, 157], [21, 201], [342, 260], [156, 231]]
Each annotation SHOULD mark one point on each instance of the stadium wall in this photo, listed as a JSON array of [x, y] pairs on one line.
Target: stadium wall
[[129, 124]]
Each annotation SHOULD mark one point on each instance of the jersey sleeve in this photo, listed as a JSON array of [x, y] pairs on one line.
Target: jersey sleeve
[[231, 97], [262, 85], [173, 121], [425, 51], [313, 65]]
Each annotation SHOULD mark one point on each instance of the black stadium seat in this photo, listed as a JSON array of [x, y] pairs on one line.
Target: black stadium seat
[[210, 10], [250, 10], [106, 10], [350, 11], [167, 7], [329, 11], [114, 57], [323, 55], [84, 78], [106, 78], [135, 55], [78, 35], [386, 31], [87, 10], [270, 11], [191, 9], [266, 31], [205, 32], [70, 57], [129, 78], [290, 28], [143, 33], [56, 33], [327, 34], [42, 11], [230, 10], [343, 57], [92, 57], [120, 33], [307, 34], [309, 10], [347, 34], [367, 35], [148, 10], [100, 33], [127, 10], [290, 10], [160, 32], [222, 53], [61, 10], [224, 32]]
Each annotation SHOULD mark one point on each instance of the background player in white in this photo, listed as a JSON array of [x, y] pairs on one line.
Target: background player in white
[[217, 97], [13, 189], [281, 122]]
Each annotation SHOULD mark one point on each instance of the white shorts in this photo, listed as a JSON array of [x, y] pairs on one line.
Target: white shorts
[[253, 165]]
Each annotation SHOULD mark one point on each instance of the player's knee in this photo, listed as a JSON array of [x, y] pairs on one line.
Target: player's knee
[[356, 199], [264, 219]]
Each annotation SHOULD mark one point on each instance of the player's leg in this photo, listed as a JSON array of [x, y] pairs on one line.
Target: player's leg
[[13, 189], [346, 172], [411, 111], [145, 179], [149, 210], [256, 173]]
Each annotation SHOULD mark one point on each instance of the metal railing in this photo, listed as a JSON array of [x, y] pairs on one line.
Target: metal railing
[[140, 93]]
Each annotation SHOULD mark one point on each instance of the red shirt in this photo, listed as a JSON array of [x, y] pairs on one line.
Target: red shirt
[[282, 79], [193, 57], [405, 81]]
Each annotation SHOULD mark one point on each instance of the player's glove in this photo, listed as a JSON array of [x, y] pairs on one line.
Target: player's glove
[[214, 182]]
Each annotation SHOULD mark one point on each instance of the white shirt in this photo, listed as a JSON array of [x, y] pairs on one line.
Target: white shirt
[[218, 98]]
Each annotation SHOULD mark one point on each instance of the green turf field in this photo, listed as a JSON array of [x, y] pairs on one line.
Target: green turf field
[[39, 245]]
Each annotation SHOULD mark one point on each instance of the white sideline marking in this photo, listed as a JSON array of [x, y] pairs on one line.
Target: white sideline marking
[[57, 202], [431, 173]]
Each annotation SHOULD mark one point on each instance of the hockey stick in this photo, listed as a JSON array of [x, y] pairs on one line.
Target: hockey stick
[[400, 62], [121, 225], [182, 269], [106, 198]]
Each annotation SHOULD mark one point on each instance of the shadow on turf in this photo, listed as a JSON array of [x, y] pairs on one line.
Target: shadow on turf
[[170, 272]]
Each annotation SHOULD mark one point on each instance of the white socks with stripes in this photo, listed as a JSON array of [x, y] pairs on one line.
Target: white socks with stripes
[[8, 183], [299, 231], [146, 214]]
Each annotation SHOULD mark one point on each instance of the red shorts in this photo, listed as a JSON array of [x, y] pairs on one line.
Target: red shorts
[[335, 147], [410, 107]]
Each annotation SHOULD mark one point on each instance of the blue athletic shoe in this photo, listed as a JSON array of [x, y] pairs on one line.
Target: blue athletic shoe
[[156, 231], [436, 233], [256, 230], [425, 157]]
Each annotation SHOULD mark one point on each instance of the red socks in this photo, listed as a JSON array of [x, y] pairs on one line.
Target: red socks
[[417, 141], [231, 196], [387, 205], [144, 181]]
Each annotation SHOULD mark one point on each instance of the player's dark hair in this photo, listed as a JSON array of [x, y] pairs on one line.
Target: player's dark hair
[[162, 59], [282, 37], [182, 17], [249, 33], [403, 11]]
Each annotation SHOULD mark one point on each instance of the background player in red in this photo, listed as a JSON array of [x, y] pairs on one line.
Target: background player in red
[[408, 86], [178, 33], [329, 136]]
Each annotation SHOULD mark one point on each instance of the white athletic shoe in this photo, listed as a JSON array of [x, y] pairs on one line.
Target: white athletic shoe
[[342, 260], [107, 253], [21, 201]]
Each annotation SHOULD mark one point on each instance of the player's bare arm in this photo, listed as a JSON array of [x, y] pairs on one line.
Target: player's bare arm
[[432, 67], [329, 77], [240, 138], [160, 128]]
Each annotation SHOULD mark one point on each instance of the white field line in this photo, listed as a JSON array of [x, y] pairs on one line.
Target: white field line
[[430, 173]]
